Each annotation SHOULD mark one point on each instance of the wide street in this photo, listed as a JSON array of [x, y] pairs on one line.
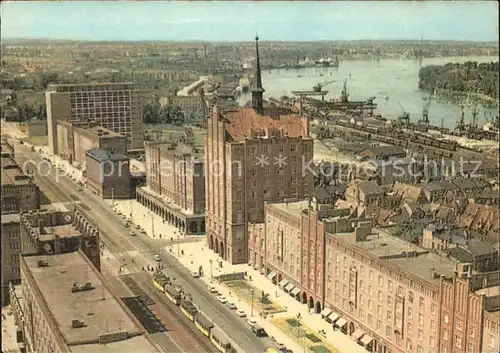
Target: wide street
[[142, 248]]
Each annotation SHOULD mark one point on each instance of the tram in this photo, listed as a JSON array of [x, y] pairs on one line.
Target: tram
[[173, 293], [159, 281], [203, 324], [188, 309], [221, 341]]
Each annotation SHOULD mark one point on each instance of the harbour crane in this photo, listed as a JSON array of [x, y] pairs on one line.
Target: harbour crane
[[344, 96], [405, 117], [320, 85], [425, 110]]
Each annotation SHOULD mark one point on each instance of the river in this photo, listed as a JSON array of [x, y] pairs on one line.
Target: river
[[395, 78]]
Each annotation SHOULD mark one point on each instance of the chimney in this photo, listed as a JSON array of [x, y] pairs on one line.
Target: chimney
[[41, 229]]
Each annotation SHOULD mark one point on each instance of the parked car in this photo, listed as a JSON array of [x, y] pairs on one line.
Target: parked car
[[195, 274], [222, 299], [259, 331], [230, 305], [132, 233], [241, 313], [157, 257], [211, 289], [280, 345], [252, 322]]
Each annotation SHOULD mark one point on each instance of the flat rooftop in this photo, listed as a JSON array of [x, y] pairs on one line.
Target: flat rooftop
[[12, 174], [96, 130], [490, 291], [423, 265], [106, 155], [99, 316], [11, 217], [292, 208]]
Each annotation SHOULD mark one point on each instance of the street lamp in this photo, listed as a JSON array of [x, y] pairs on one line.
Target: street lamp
[[211, 275], [299, 324], [251, 312]]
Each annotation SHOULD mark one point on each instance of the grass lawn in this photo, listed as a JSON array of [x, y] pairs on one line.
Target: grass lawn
[[242, 289], [303, 335]]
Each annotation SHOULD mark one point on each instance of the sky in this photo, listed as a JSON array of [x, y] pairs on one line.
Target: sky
[[239, 21]]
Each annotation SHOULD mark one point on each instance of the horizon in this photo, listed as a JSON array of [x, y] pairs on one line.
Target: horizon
[[234, 22]]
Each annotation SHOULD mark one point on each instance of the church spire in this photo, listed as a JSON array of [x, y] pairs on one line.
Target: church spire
[[257, 90]]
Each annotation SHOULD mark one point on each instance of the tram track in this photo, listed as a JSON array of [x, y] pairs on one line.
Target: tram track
[[114, 242]]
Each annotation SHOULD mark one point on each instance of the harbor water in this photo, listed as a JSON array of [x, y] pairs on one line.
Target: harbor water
[[394, 83]]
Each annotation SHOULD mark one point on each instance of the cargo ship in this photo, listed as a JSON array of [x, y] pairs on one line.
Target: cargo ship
[[327, 62]]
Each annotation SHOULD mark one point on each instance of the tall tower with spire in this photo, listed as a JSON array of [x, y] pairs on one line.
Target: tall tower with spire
[[257, 90]]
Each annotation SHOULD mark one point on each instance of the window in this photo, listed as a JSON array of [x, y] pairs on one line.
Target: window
[[421, 302], [370, 290], [433, 309], [458, 341], [445, 318], [433, 325], [361, 286], [420, 335], [379, 310], [15, 271], [389, 300], [389, 315], [472, 332], [492, 341], [421, 319], [370, 275], [432, 342], [361, 299], [369, 321], [445, 334], [420, 349], [470, 349], [410, 328], [444, 349], [409, 346], [362, 271], [379, 325], [410, 296], [388, 331], [458, 325], [380, 281], [380, 296], [389, 286], [410, 312], [370, 304]]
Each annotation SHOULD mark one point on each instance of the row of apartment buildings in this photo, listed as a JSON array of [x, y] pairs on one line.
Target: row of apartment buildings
[[389, 294]]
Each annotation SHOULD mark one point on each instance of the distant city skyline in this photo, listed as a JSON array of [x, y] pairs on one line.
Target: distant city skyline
[[239, 21]]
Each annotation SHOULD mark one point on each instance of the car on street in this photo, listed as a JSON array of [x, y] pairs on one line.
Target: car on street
[[126, 224], [132, 233], [222, 299], [252, 322], [137, 226], [157, 257], [195, 274], [231, 305], [212, 289], [241, 313]]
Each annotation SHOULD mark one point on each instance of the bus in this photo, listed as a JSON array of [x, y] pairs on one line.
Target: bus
[[203, 324], [188, 309], [173, 294], [221, 341]]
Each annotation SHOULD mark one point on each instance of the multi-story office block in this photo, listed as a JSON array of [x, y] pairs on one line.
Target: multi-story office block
[[114, 106]]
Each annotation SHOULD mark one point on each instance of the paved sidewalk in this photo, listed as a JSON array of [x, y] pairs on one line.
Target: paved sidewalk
[[145, 218], [9, 343], [198, 254]]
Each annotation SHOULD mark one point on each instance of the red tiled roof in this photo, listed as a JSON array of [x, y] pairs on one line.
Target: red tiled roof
[[241, 121]]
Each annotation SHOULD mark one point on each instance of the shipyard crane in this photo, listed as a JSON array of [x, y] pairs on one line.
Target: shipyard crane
[[320, 85], [460, 126], [425, 110], [405, 117], [344, 96]]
